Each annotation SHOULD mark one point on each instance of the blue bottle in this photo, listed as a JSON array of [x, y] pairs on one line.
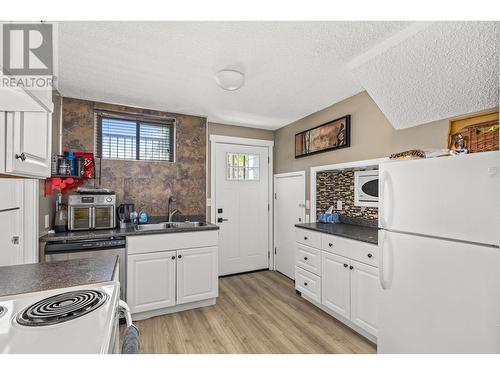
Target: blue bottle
[[143, 216]]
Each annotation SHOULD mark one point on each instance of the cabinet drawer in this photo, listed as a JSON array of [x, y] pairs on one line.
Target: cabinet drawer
[[308, 237], [308, 284], [357, 250], [308, 258], [152, 243]]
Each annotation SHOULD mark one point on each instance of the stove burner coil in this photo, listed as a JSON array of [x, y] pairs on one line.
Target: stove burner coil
[[61, 308]]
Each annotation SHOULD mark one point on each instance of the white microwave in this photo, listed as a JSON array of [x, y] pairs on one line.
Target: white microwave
[[366, 188]]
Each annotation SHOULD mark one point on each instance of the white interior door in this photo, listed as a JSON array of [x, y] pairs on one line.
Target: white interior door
[[242, 207], [289, 209]]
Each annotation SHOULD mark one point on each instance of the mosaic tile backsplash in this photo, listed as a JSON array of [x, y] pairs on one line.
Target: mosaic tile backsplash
[[339, 185]]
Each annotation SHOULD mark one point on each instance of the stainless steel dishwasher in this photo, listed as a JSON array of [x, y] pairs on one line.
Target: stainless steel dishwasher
[[91, 248]]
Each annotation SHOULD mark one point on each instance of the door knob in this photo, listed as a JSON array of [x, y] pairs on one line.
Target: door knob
[[220, 220], [21, 156]]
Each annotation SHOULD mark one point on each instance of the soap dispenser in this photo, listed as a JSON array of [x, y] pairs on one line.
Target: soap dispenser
[[143, 215]]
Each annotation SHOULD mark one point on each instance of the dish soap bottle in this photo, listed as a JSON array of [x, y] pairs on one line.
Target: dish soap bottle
[[143, 216]]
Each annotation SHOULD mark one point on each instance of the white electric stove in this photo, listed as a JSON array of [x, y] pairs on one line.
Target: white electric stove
[[81, 319]]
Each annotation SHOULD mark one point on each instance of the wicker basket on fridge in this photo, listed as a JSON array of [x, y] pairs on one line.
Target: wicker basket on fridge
[[481, 137]]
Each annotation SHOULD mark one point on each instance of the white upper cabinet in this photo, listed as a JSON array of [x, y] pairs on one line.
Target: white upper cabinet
[[18, 99], [27, 144]]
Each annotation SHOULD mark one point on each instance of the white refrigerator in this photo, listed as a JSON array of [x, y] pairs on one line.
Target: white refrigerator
[[439, 255]]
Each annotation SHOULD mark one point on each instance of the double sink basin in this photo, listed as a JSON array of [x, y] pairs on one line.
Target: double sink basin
[[168, 225]]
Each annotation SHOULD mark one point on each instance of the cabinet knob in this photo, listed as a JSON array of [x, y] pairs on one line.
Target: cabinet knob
[[305, 284], [305, 258], [180, 256], [173, 257], [345, 265], [22, 156], [351, 267], [330, 244], [370, 255], [305, 238]]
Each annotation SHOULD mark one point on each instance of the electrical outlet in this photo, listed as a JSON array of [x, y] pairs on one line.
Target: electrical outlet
[[339, 205], [47, 221]]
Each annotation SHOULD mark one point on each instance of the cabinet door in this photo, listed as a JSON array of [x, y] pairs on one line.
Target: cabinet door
[[151, 281], [197, 274], [28, 143], [335, 288], [364, 296]]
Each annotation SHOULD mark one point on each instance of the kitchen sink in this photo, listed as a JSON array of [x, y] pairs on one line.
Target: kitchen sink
[[153, 226], [167, 225], [187, 224]]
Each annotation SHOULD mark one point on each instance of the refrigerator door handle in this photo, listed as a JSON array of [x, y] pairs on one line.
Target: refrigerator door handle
[[384, 204], [381, 273]]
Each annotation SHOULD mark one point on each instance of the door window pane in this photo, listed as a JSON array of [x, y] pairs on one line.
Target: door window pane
[[242, 167]]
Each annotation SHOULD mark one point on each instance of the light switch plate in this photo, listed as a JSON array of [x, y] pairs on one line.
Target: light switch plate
[[339, 205], [308, 204], [47, 221], [307, 219]]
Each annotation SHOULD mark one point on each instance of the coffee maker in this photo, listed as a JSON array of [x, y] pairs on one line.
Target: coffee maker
[[124, 211]]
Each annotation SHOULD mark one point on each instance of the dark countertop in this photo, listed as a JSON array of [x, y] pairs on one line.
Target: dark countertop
[[26, 278], [131, 231], [351, 231]]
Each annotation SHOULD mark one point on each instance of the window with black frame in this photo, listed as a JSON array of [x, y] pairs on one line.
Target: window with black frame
[[122, 136]]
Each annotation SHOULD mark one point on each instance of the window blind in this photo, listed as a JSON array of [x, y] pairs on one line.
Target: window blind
[[134, 137]]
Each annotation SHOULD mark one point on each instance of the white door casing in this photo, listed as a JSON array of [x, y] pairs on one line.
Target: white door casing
[[289, 209], [244, 205]]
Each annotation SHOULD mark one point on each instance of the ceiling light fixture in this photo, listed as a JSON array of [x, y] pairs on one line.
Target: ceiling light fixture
[[229, 79]]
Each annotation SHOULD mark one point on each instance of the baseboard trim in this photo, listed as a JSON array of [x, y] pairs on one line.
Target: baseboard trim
[[243, 273], [343, 320], [173, 309]]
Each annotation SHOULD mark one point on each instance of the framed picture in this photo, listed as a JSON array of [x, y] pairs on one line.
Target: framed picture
[[325, 137]]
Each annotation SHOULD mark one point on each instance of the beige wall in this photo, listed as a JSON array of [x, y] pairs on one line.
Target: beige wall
[[232, 131], [372, 136]]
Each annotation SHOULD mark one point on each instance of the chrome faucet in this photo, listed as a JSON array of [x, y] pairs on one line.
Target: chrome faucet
[[171, 212]]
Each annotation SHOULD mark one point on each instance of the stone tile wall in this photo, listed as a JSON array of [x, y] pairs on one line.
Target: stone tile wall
[[146, 182]]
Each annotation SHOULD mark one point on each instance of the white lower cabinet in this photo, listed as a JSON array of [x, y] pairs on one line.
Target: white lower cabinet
[[159, 281], [348, 281], [151, 281], [364, 296], [335, 281], [197, 275]]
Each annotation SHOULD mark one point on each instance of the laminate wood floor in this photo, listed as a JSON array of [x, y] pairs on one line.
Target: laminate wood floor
[[255, 313]]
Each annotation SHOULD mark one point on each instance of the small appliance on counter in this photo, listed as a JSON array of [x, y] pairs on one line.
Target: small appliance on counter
[[91, 211], [124, 212]]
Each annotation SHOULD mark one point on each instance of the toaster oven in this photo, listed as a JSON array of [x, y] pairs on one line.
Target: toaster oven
[[91, 211]]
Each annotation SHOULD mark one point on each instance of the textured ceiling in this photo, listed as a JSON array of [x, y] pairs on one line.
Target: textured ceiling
[[292, 68], [445, 70], [416, 72]]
